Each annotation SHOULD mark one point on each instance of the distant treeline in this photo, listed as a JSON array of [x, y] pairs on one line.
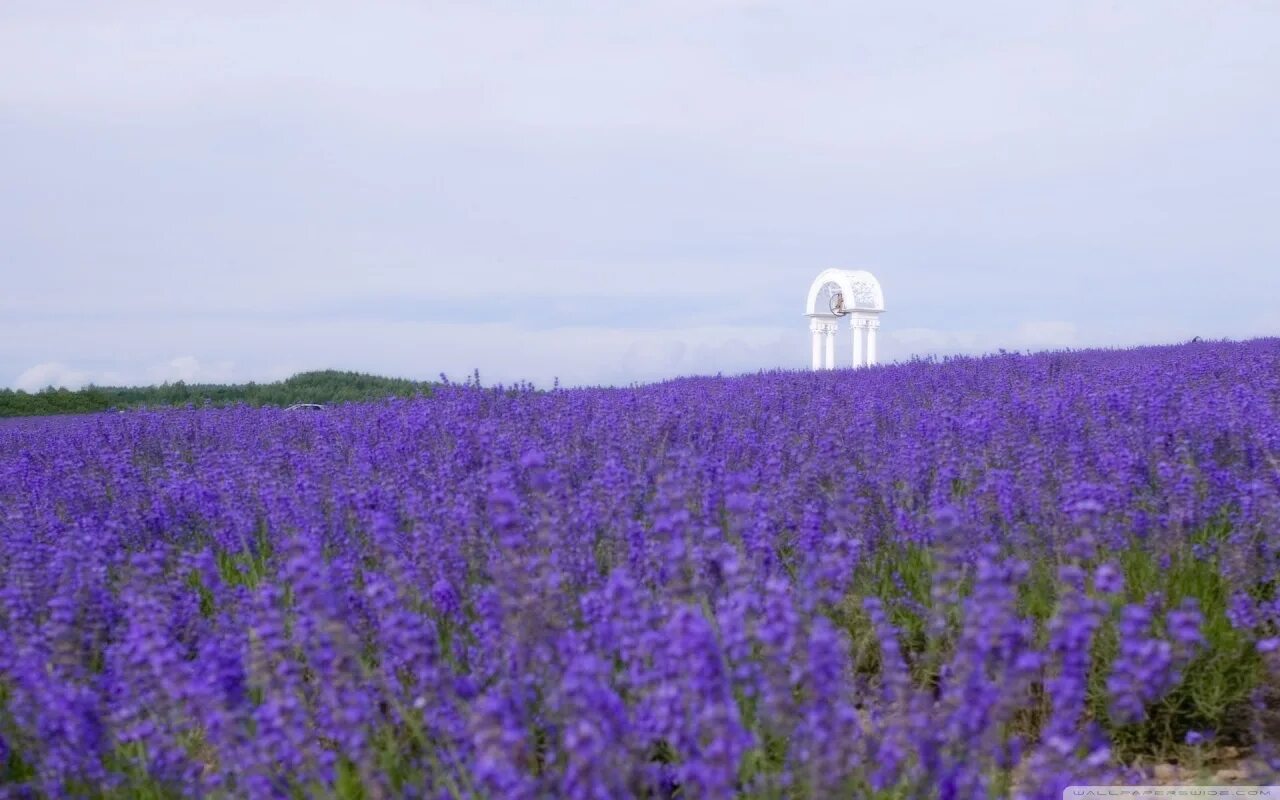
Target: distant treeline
[[325, 387]]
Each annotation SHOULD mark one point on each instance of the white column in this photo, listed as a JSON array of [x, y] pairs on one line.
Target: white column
[[856, 326], [831, 345], [872, 325], [815, 333]]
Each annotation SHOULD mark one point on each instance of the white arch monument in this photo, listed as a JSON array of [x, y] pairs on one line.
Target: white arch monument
[[837, 293]]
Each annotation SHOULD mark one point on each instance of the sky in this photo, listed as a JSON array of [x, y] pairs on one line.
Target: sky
[[611, 192]]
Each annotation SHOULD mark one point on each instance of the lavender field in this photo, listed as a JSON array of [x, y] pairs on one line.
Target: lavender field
[[978, 578]]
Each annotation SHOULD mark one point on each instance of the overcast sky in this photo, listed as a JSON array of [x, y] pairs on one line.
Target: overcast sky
[[607, 192]]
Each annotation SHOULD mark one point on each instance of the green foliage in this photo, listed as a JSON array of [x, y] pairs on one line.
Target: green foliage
[[248, 567], [1214, 689], [326, 387]]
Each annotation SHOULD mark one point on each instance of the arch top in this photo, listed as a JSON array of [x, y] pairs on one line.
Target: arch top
[[859, 288]]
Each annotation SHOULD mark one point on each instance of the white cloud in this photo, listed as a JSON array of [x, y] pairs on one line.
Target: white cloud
[[922, 341], [182, 368], [275, 184], [189, 370], [1029, 335], [1047, 334], [650, 357], [33, 379]]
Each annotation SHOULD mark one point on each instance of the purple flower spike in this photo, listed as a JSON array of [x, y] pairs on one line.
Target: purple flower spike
[[1108, 579]]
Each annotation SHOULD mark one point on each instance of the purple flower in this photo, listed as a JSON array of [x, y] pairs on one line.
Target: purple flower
[[1108, 579], [1194, 738], [782, 584], [1184, 624], [1243, 612]]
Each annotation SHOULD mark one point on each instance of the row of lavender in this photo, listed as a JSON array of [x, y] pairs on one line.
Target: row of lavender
[[983, 577]]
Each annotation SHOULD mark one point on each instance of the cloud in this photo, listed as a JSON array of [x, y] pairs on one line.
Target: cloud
[[1047, 334], [619, 192], [189, 370], [1030, 335], [921, 341], [182, 368], [41, 376], [654, 357]]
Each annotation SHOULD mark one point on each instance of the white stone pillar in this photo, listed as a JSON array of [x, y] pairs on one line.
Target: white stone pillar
[[831, 345], [818, 334], [856, 326], [872, 325]]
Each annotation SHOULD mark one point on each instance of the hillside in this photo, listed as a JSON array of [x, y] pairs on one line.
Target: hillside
[[977, 578], [322, 386]]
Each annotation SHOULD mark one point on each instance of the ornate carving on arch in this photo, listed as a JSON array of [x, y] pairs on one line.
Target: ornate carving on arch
[[859, 291], [865, 295]]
